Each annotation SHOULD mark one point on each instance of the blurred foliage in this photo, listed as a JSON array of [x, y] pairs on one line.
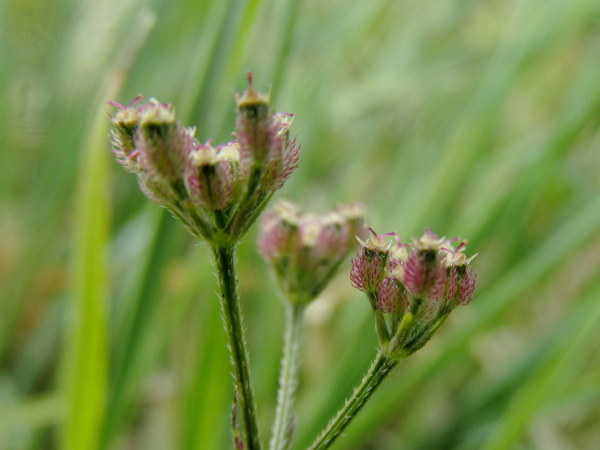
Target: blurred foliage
[[475, 118]]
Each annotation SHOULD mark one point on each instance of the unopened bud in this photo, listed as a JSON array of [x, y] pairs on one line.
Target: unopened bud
[[211, 176], [126, 122], [424, 273], [391, 297], [265, 146], [304, 250], [164, 145], [368, 267]]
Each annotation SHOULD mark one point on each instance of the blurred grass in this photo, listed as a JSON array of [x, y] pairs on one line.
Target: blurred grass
[[477, 119]]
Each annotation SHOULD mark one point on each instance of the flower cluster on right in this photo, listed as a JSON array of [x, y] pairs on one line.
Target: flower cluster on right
[[412, 288]]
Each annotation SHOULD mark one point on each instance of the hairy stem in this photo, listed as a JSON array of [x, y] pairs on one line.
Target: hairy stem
[[288, 378], [381, 366], [232, 317]]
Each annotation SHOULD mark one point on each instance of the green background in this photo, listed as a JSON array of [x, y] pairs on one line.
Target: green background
[[478, 119]]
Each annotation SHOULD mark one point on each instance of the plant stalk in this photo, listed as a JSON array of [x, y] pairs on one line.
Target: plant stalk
[[380, 368], [283, 428], [224, 257]]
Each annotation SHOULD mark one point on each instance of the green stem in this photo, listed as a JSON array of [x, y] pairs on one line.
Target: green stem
[[288, 378], [232, 317], [381, 366]]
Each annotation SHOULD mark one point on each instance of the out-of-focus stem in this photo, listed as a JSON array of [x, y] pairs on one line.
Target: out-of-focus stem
[[288, 378]]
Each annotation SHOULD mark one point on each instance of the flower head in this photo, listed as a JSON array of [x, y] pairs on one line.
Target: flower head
[[411, 288], [217, 192], [304, 250]]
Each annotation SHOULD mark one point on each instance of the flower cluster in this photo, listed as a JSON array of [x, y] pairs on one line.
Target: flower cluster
[[217, 192], [305, 250], [411, 288]]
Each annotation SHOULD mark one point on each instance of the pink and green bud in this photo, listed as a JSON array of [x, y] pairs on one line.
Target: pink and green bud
[[149, 141], [255, 125], [460, 286], [266, 150], [460, 282], [391, 296], [122, 137], [212, 178], [369, 265], [304, 250], [424, 272], [164, 145], [278, 234]]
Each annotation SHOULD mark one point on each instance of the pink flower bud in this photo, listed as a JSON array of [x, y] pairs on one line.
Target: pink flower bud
[[460, 286], [265, 145], [164, 145], [147, 140], [466, 287], [304, 250], [359, 273], [125, 122], [368, 267], [411, 292], [278, 232], [391, 297], [461, 280], [256, 130], [210, 176], [424, 275]]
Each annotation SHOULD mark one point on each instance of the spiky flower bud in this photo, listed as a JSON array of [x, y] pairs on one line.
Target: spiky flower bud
[[212, 178], [164, 145], [147, 140], [411, 292], [266, 150], [424, 273], [125, 126], [216, 192], [391, 296], [368, 267], [305, 250], [460, 282]]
